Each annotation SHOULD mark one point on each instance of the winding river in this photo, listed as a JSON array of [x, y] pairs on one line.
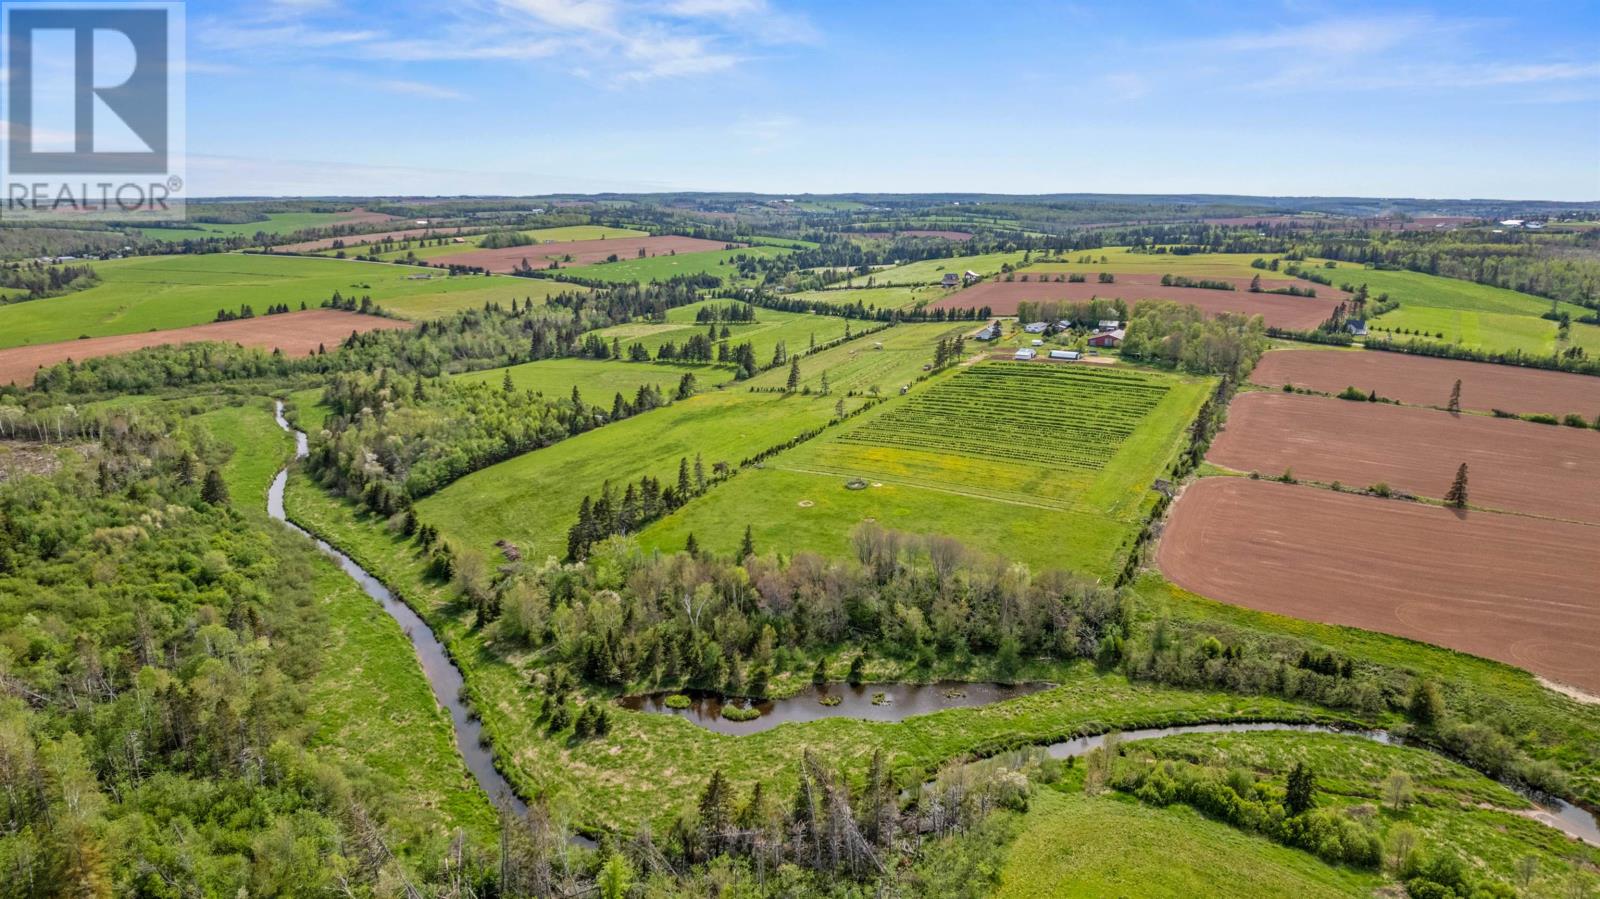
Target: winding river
[[903, 700], [442, 674]]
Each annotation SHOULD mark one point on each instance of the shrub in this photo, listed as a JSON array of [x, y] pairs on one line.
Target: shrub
[[679, 701], [740, 713], [1539, 418]]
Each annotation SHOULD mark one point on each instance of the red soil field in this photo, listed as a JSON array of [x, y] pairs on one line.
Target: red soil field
[[1424, 381], [1516, 466], [1515, 589], [296, 333], [1279, 311], [583, 252], [354, 241]]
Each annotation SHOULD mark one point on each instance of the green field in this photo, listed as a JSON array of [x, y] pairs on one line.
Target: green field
[[532, 499], [884, 359], [147, 293], [795, 329], [932, 271], [660, 268], [1074, 845], [1226, 266], [596, 381], [1049, 465], [1475, 315], [276, 223], [900, 297]]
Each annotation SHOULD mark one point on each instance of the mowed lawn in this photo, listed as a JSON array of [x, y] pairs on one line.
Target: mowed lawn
[[722, 263], [533, 499], [932, 271], [990, 462], [796, 330], [597, 381], [156, 292], [1065, 850]]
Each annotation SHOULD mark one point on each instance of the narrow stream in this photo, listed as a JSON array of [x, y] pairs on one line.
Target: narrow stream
[[1558, 813], [441, 673]]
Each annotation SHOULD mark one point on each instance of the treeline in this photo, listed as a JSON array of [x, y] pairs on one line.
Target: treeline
[[1188, 339], [248, 311], [1206, 283], [1081, 313], [388, 441], [158, 647], [859, 310], [1557, 267], [642, 502], [37, 280], [1573, 359], [467, 340]]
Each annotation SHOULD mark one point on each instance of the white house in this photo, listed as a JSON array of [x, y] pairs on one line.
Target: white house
[[1108, 324], [1026, 354]]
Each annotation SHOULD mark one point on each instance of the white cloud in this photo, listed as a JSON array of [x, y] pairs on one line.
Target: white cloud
[[631, 41]]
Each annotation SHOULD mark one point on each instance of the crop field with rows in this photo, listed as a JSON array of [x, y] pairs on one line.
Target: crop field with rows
[[1050, 415], [1045, 464]]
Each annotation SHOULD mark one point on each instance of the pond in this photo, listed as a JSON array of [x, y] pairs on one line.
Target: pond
[[868, 702]]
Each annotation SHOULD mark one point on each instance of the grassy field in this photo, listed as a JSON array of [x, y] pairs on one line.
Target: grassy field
[[1225, 266], [1067, 849], [532, 499], [660, 268], [276, 223], [884, 359], [1457, 810], [1475, 315], [1047, 465], [931, 271], [901, 297], [370, 706], [597, 381], [156, 292], [795, 329]]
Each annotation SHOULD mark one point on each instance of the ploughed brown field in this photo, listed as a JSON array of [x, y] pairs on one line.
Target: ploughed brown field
[[356, 241], [583, 252], [1424, 381], [1544, 470], [1516, 589], [1299, 313], [296, 333]]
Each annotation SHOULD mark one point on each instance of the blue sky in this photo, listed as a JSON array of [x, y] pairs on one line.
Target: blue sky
[[530, 96]]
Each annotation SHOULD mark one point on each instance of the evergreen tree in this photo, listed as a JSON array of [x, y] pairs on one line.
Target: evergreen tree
[[716, 810], [794, 375], [1455, 397], [1456, 498], [505, 383], [691, 546], [747, 546], [215, 490], [1298, 797]]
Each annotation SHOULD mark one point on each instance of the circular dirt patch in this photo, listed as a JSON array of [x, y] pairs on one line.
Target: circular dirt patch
[[806, 504]]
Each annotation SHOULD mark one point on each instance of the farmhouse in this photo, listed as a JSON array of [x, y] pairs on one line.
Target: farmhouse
[[1108, 324], [1026, 354], [1065, 355], [1108, 338], [1357, 327], [951, 279], [1036, 327], [990, 333]]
